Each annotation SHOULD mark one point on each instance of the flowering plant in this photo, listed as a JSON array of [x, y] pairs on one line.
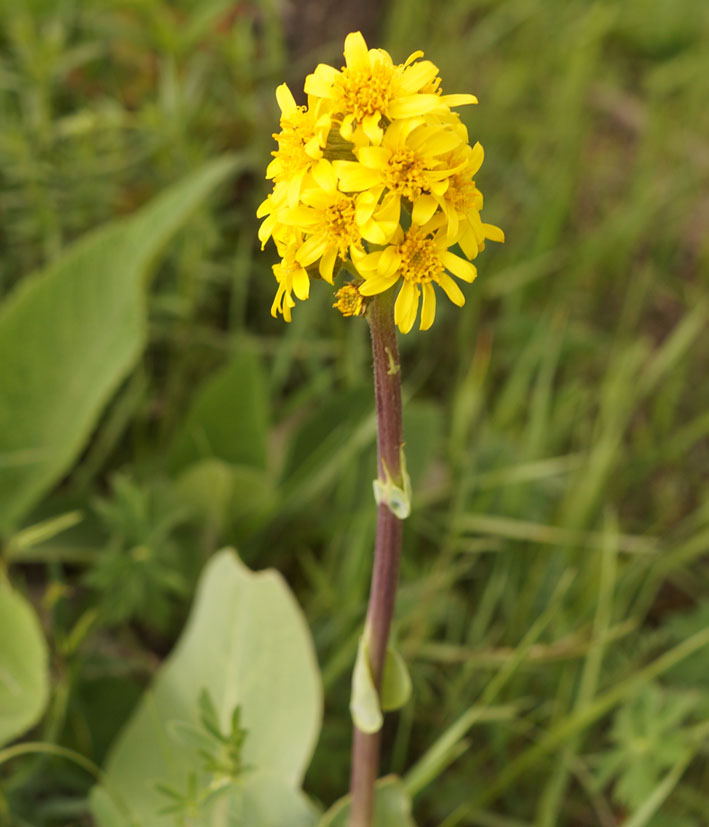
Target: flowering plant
[[375, 174]]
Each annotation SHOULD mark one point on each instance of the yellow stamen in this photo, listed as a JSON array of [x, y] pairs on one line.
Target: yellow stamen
[[420, 257], [405, 173], [366, 92], [342, 227]]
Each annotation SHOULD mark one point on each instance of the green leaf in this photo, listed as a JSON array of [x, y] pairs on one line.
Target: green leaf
[[228, 419], [246, 642], [649, 735], [364, 701], [392, 807], [24, 676], [263, 800], [71, 333], [366, 706], [396, 681]]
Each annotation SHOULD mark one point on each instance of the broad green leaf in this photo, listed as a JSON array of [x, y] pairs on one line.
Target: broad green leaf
[[247, 643], [392, 807], [70, 334], [262, 799], [228, 419], [24, 676]]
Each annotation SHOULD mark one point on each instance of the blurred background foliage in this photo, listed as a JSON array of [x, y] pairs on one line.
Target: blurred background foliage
[[555, 564]]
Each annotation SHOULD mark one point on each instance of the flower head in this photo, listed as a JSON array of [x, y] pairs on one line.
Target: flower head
[[303, 135], [418, 259], [377, 149], [350, 301]]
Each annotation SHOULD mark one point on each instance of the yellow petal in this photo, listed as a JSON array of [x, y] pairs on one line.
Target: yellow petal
[[356, 52], [493, 233], [413, 56], [390, 209], [428, 309], [347, 127], [312, 148], [477, 156], [403, 131], [355, 177], [371, 128], [442, 141], [321, 80], [287, 304], [417, 75], [424, 207], [277, 302], [312, 249], [273, 168], [294, 186], [468, 244], [324, 176], [453, 225], [458, 100], [406, 307], [410, 106], [264, 208], [265, 230], [459, 266], [327, 264], [380, 57], [378, 232], [365, 206], [451, 289], [389, 262], [375, 157], [366, 263], [301, 284], [285, 99], [375, 284], [297, 216]]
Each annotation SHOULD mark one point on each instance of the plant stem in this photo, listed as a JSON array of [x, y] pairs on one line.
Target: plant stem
[[387, 550]]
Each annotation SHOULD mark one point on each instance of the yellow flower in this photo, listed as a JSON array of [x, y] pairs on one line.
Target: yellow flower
[[419, 258], [329, 218], [461, 203], [269, 210], [377, 140], [370, 87], [350, 302], [291, 276], [303, 135], [408, 165]]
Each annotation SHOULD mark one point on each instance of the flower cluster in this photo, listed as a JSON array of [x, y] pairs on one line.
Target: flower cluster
[[376, 174]]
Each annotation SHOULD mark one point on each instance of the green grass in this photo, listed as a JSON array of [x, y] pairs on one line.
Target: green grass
[[554, 599]]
